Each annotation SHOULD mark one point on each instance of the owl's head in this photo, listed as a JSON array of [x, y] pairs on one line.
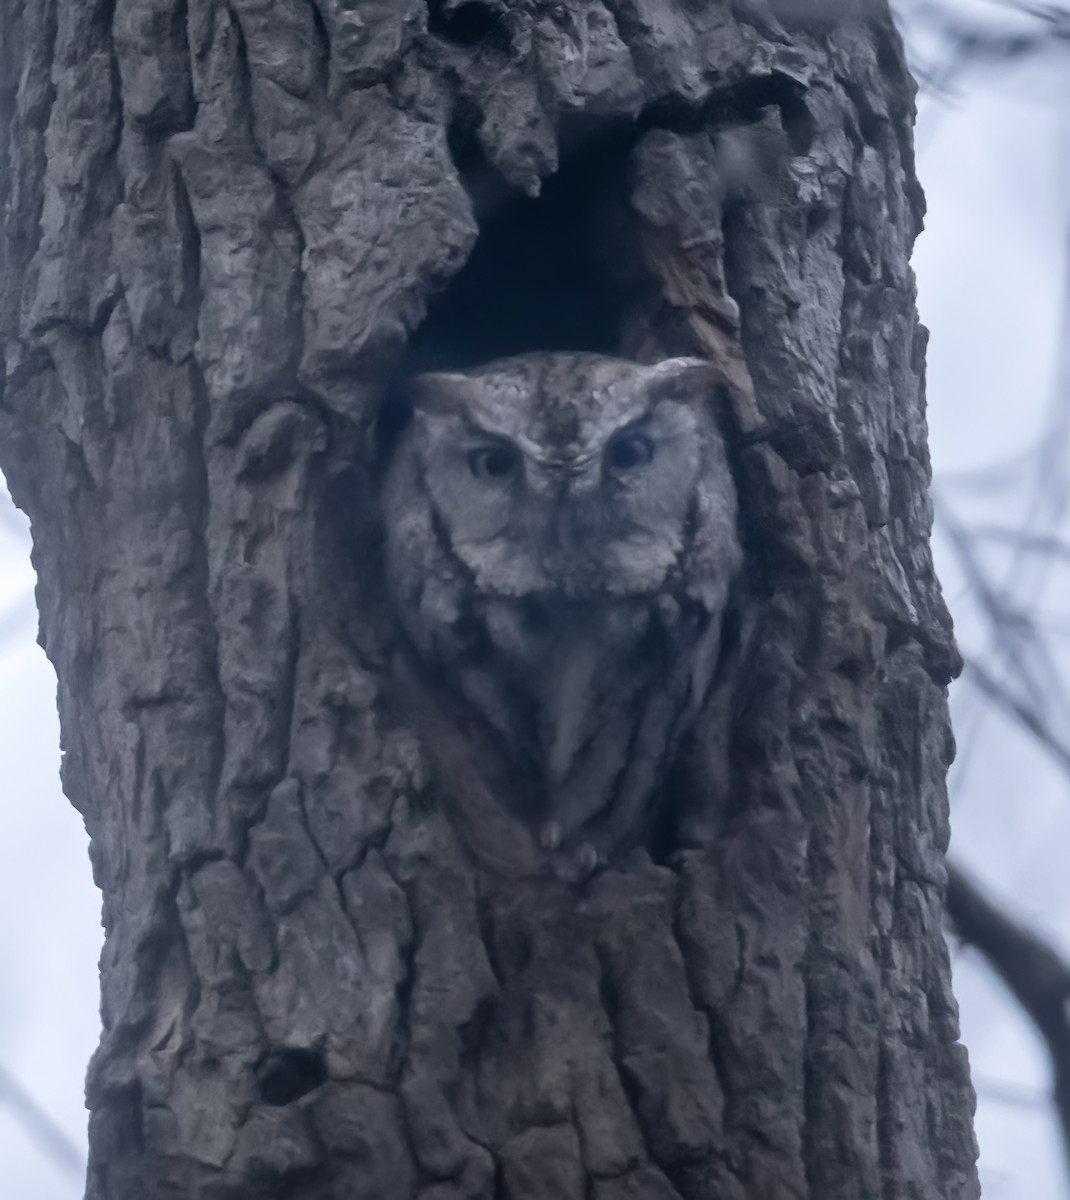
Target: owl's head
[[569, 473]]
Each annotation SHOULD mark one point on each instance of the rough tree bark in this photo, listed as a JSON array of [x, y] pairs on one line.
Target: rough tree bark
[[224, 226]]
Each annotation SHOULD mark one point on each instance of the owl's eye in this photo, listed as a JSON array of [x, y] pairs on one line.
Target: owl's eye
[[628, 451], [494, 463]]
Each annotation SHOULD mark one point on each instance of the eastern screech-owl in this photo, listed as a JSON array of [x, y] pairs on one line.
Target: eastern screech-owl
[[560, 544]]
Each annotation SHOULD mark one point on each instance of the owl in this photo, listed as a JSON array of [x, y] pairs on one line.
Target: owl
[[561, 545]]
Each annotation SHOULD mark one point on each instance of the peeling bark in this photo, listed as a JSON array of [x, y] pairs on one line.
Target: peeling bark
[[226, 227]]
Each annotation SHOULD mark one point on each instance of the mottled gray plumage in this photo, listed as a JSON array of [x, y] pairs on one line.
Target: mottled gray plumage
[[561, 540]]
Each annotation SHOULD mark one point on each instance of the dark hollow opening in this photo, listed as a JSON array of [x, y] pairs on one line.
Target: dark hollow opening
[[287, 1075], [540, 276], [467, 24]]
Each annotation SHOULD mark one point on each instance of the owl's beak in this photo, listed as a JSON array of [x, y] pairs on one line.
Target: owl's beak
[[580, 476], [571, 532]]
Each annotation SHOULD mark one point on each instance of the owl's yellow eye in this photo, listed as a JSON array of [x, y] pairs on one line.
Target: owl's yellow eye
[[494, 463], [628, 451]]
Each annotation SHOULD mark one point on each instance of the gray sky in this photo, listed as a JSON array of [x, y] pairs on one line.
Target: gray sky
[[992, 276], [49, 909]]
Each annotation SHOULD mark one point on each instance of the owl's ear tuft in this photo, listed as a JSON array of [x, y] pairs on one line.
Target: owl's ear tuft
[[437, 392], [681, 376], [434, 393], [692, 380]]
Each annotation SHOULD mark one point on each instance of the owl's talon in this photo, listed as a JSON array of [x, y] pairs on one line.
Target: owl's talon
[[668, 610], [577, 865], [587, 858], [550, 835]]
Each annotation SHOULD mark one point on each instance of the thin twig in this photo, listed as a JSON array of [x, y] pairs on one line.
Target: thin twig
[[1014, 627], [1027, 717], [1049, 545], [40, 1126], [1012, 1094]]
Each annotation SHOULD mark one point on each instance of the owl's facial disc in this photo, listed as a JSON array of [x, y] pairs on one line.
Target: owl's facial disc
[[575, 477]]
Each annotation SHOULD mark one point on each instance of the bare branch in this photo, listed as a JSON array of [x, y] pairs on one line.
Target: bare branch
[[1036, 975], [1025, 29], [40, 1126], [1010, 1094], [1027, 717], [1015, 629], [1050, 546]]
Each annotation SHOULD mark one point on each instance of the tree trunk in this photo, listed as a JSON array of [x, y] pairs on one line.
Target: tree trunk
[[226, 227]]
